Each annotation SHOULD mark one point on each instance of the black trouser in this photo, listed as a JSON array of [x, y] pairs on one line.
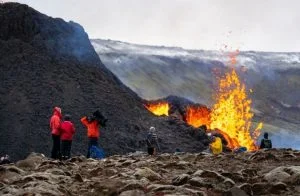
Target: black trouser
[[151, 150], [93, 141], [66, 149], [55, 153]]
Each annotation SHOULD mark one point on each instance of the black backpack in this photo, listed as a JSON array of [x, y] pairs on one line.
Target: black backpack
[[267, 143]]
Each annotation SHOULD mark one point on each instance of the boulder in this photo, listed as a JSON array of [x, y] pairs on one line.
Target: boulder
[[260, 188], [147, 173], [180, 180], [278, 187], [236, 191], [133, 193], [31, 162], [284, 174]]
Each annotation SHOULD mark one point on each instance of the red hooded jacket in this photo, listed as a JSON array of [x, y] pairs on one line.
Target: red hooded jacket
[[55, 121], [67, 130]]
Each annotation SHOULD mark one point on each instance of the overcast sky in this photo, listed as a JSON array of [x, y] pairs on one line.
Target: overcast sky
[[265, 25]]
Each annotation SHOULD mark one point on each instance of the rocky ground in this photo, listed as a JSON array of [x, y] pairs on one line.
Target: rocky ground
[[265, 172]]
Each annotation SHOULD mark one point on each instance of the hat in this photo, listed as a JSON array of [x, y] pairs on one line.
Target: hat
[[152, 129]]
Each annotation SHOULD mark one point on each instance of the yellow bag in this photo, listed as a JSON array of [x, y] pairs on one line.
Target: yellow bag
[[216, 146]]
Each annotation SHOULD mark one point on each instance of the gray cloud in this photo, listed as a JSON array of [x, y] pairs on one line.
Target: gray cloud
[[268, 25]]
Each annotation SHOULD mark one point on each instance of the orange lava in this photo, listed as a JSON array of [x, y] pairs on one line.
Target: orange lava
[[197, 115], [159, 109]]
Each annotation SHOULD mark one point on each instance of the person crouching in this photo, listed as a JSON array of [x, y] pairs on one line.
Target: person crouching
[[67, 131]]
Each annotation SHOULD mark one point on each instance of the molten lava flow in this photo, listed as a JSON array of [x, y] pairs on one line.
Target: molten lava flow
[[197, 116], [231, 112], [159, 109]]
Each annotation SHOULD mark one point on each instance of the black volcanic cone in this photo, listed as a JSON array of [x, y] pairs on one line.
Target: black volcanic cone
[[47, 62]]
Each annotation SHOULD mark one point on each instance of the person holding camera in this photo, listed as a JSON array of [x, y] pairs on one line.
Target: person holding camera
[[93, 123]]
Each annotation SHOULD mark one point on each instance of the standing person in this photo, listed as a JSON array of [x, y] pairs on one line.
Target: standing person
[[93, 124], [266, 142], [67, 131], [55, 122], [152, 141]]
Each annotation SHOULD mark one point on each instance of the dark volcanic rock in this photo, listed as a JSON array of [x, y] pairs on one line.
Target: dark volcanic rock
[[47, 62], [145, 177]]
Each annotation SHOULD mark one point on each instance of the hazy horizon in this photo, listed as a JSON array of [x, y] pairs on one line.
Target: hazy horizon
[[269, 26]]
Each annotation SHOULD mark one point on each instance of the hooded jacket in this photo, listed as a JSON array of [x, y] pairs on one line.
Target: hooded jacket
[[55, 121], [67, 130], [92, 127], [216, 146]]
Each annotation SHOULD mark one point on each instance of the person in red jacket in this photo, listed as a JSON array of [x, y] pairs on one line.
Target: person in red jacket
[[55, 122], [67, 131], [93, 124]]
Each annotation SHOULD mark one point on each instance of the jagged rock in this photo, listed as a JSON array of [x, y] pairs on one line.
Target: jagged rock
[[297, 189], [15, 169], [284, 174], [263, 156], [277, 175], [42, 188], [200, 182], [247, 188], [147, 173], [8, 177], [56, 171], [133, 193], [204, 177], [260, 188], [160, 187], [249, 172], [180, 180], [278, 187], [235, 191], [198, 173], [228, 183], [236, 176], [211, 174], [78, 178], [132, 186], [31, 162], [110, 172], [77, 159]]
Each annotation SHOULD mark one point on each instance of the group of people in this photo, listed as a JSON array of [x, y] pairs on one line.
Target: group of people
[[216, 145], [63, 130]]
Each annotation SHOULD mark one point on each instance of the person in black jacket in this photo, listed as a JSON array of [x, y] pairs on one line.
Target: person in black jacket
[[265, 142]]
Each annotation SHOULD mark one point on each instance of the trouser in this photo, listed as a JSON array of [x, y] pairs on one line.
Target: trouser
[[151, 151], [66, 149], [93, 141], [55, 153]]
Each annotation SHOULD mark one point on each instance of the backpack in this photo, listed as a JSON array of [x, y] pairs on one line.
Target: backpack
[[96, 152], [267, 143], [151, 139]]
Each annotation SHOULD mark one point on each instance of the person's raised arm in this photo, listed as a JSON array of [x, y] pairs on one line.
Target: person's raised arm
[[84, 121]]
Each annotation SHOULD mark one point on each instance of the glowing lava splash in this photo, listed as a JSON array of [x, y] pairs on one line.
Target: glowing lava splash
[[159, 109], [197, 115], [231, 112]]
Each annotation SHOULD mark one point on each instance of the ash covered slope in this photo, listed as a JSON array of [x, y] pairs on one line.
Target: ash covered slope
[[47, 62], [157, 71]]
